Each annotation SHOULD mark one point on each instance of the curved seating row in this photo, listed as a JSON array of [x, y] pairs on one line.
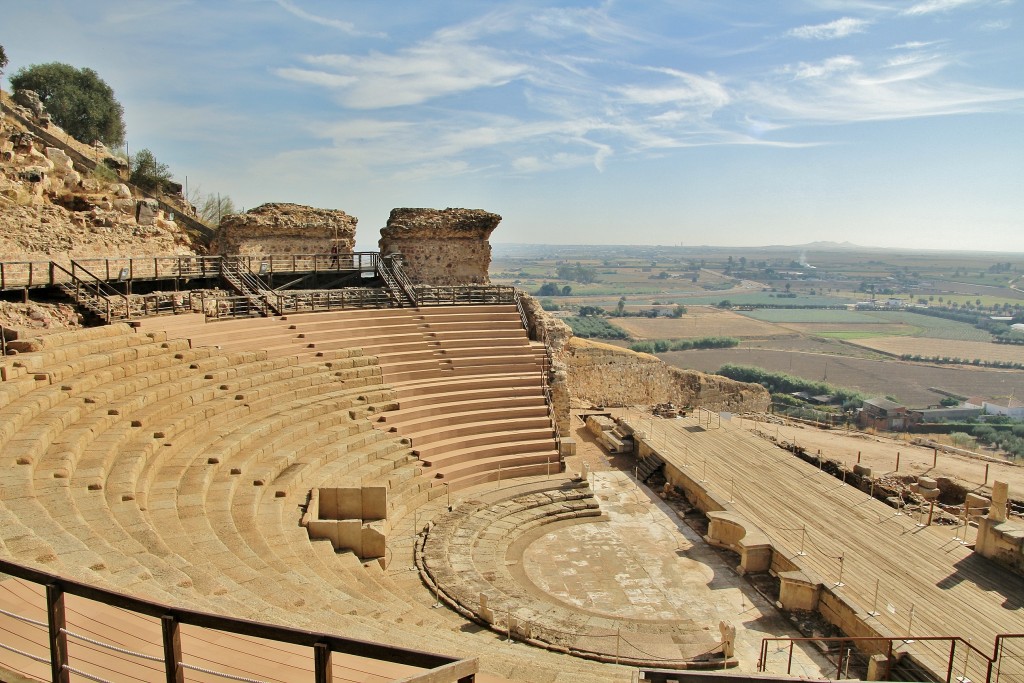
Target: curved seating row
[[138, 463], [472, 556]]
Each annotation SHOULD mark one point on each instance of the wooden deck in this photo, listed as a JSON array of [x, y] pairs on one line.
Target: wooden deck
[[952, 591]]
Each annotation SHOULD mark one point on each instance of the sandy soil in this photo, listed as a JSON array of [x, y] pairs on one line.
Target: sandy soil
[[879, 453]]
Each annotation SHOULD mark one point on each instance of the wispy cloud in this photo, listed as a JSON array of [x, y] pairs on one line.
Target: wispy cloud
[[933, 6], [915, 45], [997, 25], [841, 90], [840, 28], [344, 26]]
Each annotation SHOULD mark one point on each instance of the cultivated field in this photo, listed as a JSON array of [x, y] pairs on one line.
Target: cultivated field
[[908, 382], [701, 321], [944, 348]]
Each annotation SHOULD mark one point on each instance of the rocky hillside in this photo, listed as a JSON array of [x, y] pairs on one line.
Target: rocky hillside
[[51, 210]]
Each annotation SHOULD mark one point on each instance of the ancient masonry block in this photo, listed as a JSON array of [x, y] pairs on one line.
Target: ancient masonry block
[[286, 229], [441, 247]]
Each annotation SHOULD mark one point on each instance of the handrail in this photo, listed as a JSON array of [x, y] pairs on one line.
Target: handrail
[[18, 274], [391, 267], [172, 617], [892, 642]]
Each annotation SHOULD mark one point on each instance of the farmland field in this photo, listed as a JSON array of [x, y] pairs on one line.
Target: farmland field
[[908, 382], [846, 324], [944, 347], [700, 322]]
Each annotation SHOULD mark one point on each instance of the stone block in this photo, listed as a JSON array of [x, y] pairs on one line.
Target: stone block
[[862, 470], [373, 543], [146, 211], [927, 483], [798, 591], [567, 447], [350, 535], [374, 503], [350, 502], [975, 503], [328, 503]]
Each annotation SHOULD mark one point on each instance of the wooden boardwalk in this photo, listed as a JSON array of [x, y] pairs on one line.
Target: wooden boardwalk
[[952, 591]]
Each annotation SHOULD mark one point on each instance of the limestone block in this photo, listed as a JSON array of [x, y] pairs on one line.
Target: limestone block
[[146, 211], [62, 163], [798, 591], [862, 470], [350, 535], [375, 503], [926, 482], [1000, 494], [328, 503], [122, 191], [373, 543], [349, 503], [974, 503], [878, 668], [567, 446]]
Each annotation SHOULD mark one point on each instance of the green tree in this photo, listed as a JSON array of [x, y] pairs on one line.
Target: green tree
[[78, 100], [147, 172], [3, 59]]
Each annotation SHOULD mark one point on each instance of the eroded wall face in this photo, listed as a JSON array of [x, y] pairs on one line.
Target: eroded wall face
[[286, 229], [607, 375], [441, 246], [443, 261]]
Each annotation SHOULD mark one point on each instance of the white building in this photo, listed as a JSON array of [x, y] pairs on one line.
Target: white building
[[1010, 407]]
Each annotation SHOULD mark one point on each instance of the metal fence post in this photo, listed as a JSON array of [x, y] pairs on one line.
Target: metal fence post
[[58, 638]]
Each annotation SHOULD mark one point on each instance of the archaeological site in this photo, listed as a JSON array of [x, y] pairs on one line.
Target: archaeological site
[[257, 454]]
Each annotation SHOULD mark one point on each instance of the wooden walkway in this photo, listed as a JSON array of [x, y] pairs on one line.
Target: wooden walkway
[[952, 591]]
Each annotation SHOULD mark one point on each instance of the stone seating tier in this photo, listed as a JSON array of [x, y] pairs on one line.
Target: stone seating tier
[[179, 473]]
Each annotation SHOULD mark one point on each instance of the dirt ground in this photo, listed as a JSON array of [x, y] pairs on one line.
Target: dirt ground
[[879, 453]]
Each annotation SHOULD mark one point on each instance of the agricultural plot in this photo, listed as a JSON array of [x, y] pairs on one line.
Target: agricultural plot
[[700, 322], [909, 382], [928, 348], [847, 324]]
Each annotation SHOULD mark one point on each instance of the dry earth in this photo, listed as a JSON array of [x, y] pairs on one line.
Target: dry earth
[[700, 321], [944, 347], [908, 382], [879, 453]]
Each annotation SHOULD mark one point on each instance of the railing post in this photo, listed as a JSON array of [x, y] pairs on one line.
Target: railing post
[[173, 670], [323, 673], [58, 638]]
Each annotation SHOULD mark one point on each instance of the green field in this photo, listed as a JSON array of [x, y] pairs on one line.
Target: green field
[[807, 315]]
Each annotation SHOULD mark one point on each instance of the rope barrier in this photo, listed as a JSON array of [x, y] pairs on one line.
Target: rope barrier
[[83, 674], [108, 646], [12, 615], [211, 672], [37, 658]]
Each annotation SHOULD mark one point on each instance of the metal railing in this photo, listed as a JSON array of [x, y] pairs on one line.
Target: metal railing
[[950, 659], [440, 667], [93, 293], [391, 271], [448, 295], [20, 274]]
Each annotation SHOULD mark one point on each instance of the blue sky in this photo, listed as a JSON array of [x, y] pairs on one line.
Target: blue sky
[[657, 122]]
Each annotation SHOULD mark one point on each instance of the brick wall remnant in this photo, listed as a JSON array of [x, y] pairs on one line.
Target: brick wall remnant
[[280, 228], [441, 246]]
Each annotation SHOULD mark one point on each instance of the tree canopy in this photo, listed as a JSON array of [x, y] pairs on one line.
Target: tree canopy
[[147, 172], [78, 100], [3, 59]]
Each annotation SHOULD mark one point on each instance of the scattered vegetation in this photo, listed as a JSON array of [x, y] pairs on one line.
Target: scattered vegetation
[[952, 360], [781, 383], [595, 328], [665, 345]]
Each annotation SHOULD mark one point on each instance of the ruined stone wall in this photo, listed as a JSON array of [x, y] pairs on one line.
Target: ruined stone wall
[[285, 229], [608, 375], [441, 247]]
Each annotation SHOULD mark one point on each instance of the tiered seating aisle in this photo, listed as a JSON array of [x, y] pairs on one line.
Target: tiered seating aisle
[[178, 473]]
